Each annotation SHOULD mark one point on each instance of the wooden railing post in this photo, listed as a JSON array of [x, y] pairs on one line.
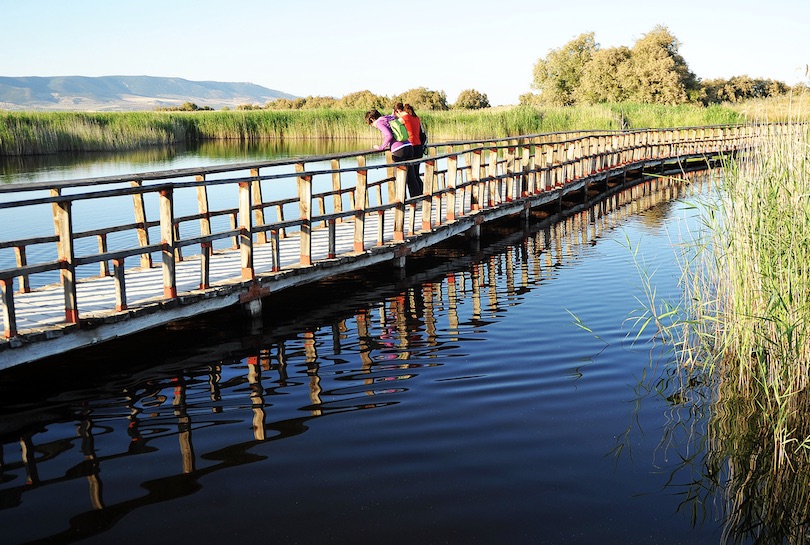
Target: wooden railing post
[[64, 230], [337, 186], [22, 261], [140, 218], [305, 207], [511, 154], [206, 248], [120, 286], [391, 173], [452, 174], [9, 316], [246, 231], [527, 174], [492, 190], [429, 190], [258, 213], [475, 177], [167, 242], [360, 200], [399, 199], [103, 266]]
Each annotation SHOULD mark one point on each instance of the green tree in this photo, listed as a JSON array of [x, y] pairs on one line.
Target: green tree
[[558, 75], [319, 103], [604, 77], [530, 99], [423, 99], [362, 100], [741, 88], [470, 99], [279, 104], [657, 72]]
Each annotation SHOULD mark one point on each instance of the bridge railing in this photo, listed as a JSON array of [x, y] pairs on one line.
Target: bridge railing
[[242, 206]]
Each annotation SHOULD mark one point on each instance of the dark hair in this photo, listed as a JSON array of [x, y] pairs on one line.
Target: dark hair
[[372, 116], [408, 108], [398, 107]]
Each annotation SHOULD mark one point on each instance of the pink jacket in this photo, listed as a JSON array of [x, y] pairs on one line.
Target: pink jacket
[[389, 142]]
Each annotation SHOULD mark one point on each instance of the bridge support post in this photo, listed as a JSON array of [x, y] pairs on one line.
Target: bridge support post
[[474, 237], [254, 308], [251, 300], [526, 215]]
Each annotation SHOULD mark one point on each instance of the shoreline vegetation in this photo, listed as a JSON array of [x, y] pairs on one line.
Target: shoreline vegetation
[[741, 341], [39, 133]]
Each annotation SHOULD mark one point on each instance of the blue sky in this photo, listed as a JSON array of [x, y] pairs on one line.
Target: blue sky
[[318, 47]]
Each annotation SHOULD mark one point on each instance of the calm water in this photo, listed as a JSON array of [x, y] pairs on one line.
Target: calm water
[[493, 395]]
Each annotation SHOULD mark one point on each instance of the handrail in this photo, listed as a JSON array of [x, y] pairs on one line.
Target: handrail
[[461, 178]]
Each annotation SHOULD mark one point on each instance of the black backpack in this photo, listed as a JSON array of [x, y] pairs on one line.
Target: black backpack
[[423, 138]]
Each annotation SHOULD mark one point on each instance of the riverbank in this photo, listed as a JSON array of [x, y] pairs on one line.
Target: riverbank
[[38, 133]]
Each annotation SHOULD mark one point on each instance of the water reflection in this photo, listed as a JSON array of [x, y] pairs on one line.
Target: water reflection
[[93, 438], [733, 476], [63, 166]]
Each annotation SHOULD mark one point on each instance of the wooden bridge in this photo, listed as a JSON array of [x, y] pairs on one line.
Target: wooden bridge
[[203, 239]]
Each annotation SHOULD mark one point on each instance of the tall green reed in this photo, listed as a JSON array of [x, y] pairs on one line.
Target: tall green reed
[[742, 343]]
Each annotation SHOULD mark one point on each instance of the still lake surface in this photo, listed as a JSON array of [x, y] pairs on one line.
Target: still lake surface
[[492, 395]]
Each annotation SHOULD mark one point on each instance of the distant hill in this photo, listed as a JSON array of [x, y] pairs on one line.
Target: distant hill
[[126, 93]]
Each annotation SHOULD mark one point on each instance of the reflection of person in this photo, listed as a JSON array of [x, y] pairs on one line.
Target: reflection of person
[[400, 151], [408, 116]]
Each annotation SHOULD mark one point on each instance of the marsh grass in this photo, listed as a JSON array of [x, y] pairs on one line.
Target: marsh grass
[[26, 133], [791, 107], [742, 343]]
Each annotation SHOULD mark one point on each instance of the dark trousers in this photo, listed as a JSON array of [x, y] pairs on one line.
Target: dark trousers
[[405, 153]]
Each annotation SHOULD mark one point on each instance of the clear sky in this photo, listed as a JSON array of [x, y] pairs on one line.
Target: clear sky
[[329, 48]]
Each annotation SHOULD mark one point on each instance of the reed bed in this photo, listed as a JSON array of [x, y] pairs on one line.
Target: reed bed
[[35, 133], [792, 107], [743, 343], [41, 133], [754, 283]]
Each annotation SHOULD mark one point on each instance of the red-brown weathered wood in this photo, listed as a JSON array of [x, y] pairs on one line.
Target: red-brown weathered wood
[[305, 207], [246, 231], [139, 210], [167, 242]]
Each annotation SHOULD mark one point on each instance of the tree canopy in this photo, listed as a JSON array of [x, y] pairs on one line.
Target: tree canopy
[[651, 71], [470, 99], [558, 76]]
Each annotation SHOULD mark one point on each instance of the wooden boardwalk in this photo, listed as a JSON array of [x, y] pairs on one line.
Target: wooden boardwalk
[[346, 215]]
